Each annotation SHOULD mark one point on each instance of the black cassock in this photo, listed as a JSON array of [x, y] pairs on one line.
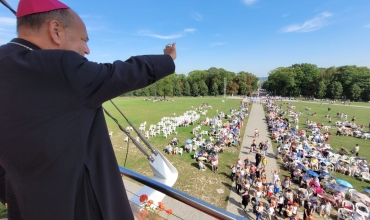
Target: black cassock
[[54, 144]]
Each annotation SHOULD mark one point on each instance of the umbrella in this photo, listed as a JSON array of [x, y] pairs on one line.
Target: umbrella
[[367, 190], [312, 173], [326, 174], [344, 183], [202, 158], [188, 141], [300, 165], [336, 187]]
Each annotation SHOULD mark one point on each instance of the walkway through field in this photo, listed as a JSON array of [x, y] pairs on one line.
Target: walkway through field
[[256, 120]]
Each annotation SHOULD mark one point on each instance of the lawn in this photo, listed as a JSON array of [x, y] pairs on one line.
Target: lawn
[[202, 185], [336, 142]]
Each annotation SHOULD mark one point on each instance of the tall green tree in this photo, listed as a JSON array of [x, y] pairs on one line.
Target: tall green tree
[[336, 90], [355, 91], [176, 89], [165, 87], [214, 89], [321, 90], [203, 88], [186, 91], [281, 81], [195, 89]]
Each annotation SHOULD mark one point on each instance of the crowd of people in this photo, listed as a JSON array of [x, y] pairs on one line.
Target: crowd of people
[[225, 135], [252, 184], [309, 158]]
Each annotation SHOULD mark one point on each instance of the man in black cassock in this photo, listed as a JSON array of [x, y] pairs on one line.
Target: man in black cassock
[[55, 153]]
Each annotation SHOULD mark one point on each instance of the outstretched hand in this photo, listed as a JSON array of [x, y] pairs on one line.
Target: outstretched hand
[[171, 50]]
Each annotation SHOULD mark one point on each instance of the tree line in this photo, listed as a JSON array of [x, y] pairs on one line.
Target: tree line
[[308, 80], [201, 83]]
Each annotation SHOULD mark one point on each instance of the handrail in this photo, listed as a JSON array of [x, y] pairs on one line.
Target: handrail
[[189, 200]]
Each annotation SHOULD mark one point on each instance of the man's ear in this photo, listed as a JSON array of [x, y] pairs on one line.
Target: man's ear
[[56, 31]]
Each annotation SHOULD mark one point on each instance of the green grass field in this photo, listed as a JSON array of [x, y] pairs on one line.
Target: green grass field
[[336, 142], [200, 184]]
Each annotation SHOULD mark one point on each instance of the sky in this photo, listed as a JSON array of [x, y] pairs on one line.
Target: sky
[[254, 36]]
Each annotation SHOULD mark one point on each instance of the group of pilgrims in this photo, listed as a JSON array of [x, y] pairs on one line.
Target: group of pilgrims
[[226, 135], [252, 184], [309, 162]]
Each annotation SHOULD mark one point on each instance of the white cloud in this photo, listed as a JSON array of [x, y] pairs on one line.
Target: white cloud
[[197, 16], [5, 21], [166, 37], [151, 34], [313, 24], [249, 2], [189, 30], [367, 26]]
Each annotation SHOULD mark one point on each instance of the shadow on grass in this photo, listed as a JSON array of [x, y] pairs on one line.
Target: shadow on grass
[[195, 165], [225, 174], [209, 166], [227, 185]]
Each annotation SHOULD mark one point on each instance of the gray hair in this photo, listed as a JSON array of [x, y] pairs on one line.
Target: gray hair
[[35, 21]]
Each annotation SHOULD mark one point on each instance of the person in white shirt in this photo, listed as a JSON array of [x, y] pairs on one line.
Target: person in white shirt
[[275, 176], [280, 204], [277, 186], [325, 209], [286, 183], [270, 212], [256, 133], [247, 185]]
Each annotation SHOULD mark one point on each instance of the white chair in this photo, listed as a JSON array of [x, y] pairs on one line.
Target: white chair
[[350, 192], [190, 146], [194, 147], [330, 166], [152, 133], [344, 214], [126, 139], [365, 176], [180, 151], [362, 209], [110, 134], [348, 205]]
